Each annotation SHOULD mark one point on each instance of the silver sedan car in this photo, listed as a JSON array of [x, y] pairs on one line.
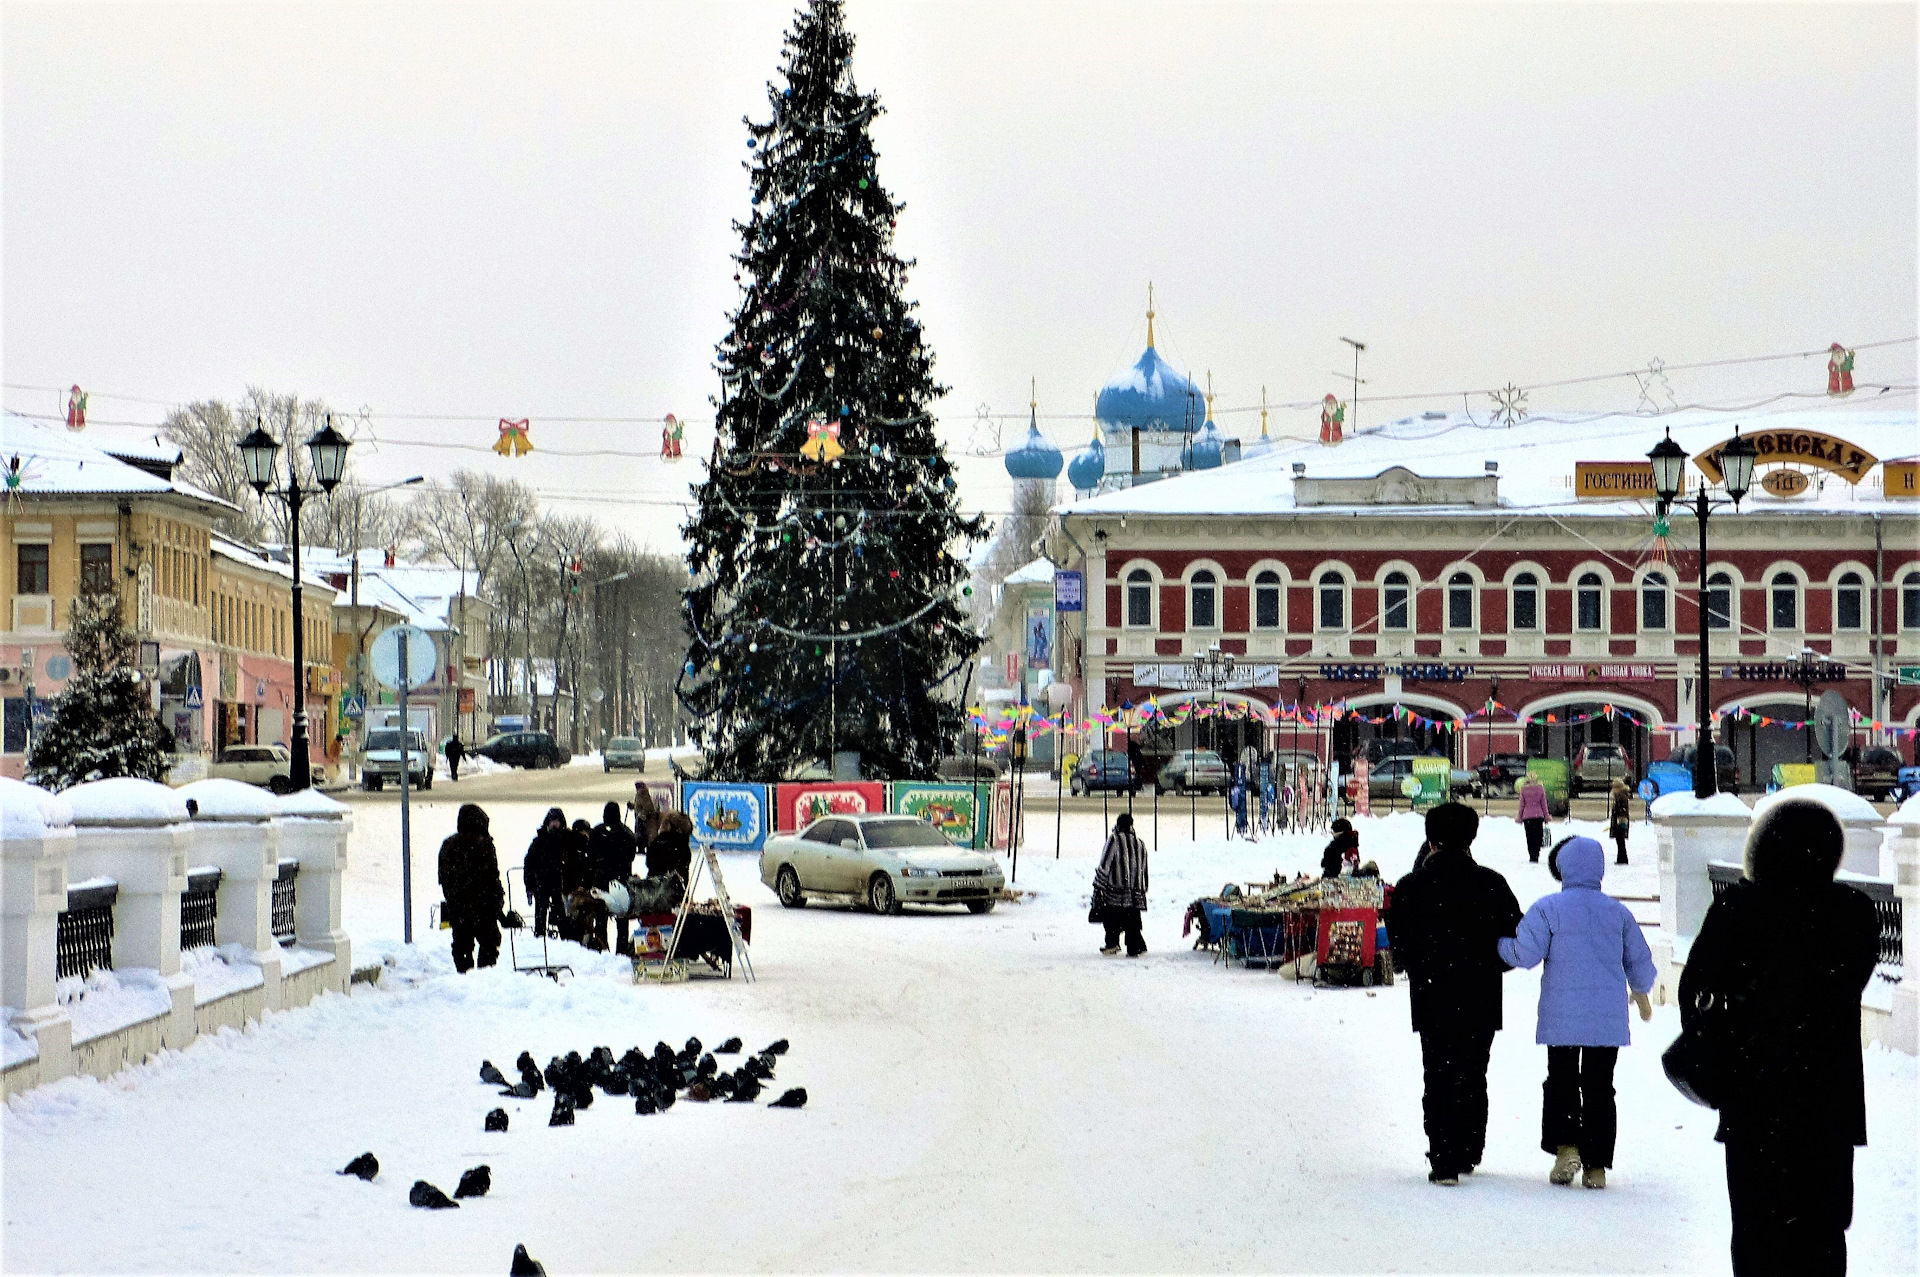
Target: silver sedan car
[[883, 862]]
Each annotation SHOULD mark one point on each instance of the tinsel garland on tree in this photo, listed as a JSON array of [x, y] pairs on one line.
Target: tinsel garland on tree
[[102, 724], [825, 609]]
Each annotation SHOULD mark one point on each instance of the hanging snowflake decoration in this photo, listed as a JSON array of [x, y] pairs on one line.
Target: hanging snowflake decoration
[[1509, 406]]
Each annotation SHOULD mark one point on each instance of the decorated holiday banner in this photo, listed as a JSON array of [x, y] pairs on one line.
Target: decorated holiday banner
[[731, 817], [666, 793], [1002, 813], [950, 808], [800, 803]]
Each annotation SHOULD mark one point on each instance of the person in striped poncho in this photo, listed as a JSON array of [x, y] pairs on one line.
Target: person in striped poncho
[[1120, 889]]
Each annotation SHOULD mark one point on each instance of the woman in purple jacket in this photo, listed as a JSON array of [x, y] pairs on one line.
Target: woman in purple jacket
[[1594, 954], [1533, 814]]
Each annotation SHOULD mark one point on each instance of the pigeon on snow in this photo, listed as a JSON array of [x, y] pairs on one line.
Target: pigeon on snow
[[497, 1120], [562, 1110], [699, 1091], [776, 1048], [793, 1099], [490, 1075], [525, 1265], [366, 1166], [427, 1197], [524, 1089], [747, 1089], [475, 1182], [730, 1047]]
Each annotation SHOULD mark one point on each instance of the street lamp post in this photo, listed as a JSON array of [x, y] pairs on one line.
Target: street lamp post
[[1669, 476], [1211, 668], [327, 452], [1486, 786]]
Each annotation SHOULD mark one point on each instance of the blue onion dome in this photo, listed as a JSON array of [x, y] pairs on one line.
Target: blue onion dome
[[1035, 458], [1149, 395], [1209, 446], [1089, 466]]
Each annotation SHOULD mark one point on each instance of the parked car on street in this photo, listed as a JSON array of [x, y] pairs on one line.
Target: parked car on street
[[624, 751], [1726, 770], [1197, 769], [1499, 773], [880, 861], [1669, 777], [1385, 778], [1103, 770], [269, 766], [1598, 765], [966, 767], [1877, 775], [534, 750], [383, 759]]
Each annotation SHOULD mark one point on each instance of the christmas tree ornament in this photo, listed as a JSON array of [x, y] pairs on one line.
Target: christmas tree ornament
[[823, 440], [1839, 371], [513, 440], [863, 183], [828, 370], [877, 334], [77, 405]]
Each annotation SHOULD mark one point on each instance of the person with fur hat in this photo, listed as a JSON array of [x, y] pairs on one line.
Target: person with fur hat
[[1448, 916], [1594, 955], [671, 851], [472, 900], [545, 854], [1788, 950], [1120, 889]]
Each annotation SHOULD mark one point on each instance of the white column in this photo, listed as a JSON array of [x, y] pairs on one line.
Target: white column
[[137, 833], [314, 829], [1903, 848], [235, 831], [1093, 663], [35, 842], [1691, 834]]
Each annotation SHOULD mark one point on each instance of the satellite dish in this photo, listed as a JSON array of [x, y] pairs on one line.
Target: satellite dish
[[1832, 724]]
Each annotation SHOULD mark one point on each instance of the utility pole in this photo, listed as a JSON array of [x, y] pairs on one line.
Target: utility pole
[[1354, 416]]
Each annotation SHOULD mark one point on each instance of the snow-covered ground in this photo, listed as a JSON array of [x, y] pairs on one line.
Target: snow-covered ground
[[986, 1093]]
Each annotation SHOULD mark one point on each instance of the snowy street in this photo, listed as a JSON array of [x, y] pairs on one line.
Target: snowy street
[[987, 1093]]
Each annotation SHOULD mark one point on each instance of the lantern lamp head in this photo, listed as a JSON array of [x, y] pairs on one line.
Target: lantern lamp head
[[328, 452], [258, 451], [1669, 467], [1736, 463]]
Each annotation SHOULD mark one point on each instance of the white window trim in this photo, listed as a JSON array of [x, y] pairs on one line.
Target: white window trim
[[1346, 577], [1219, 587], [1640, 600], [1153, 596]]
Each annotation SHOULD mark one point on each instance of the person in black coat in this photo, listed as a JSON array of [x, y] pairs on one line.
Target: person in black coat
[[455, 751], [470, 888], [671, 851], [1448, 916], [611, 849], [1791, 950], [1344, 840], [544, 856]]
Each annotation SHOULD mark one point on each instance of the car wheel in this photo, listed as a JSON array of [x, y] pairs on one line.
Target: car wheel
[[881, 896], [280, 785], [541, 762], [786, 884], [980, 906]]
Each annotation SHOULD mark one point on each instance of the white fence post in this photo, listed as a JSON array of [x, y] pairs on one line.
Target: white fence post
[[1692, 834], [315, 829], [235, 830], [36, 837], [1903, 847], [137, 833]]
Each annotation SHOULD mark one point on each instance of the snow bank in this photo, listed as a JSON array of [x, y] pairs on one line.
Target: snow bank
[[124, 800], [1907, 815], [218, 971], [230, 800], [1683, 804], [294, 959], [28, 811], [15, 1046], [311, 804], [1843, 803], [110, 1000]]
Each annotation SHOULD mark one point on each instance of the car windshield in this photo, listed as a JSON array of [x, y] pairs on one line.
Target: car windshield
[[1883, 758], [1206, 758], [1603, 751], [495, 739], [390, 739], [623, 742], [894, 834]]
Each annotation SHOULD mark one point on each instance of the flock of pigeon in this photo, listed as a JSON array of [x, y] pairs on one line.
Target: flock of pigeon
[[654, 1081]]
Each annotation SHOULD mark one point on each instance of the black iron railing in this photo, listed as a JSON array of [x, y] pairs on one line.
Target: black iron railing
[[1886, 907], [84, 938], [199, 906], [283, 899]]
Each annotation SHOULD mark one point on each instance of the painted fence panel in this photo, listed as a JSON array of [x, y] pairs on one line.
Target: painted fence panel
[[801, 802], [950, 808], [731, 817]]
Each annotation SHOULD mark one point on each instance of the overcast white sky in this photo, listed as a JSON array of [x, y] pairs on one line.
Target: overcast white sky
[[523, 209]]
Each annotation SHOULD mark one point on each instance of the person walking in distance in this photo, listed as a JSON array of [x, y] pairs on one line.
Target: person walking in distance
[[455, 751], [1448, 917], [542, 872], [1619, 818], [1120, 889], [1792, 1099], [1594, 955], [472, 899], [1533, 815]]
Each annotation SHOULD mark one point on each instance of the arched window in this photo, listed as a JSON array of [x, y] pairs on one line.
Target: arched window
[[1459, 601], [1266, 601], [1910, 601], [1333, 601], [1653, 602], [1848, 602], [1526, 602], [1720, 601], [1587, 598], [1785, 593], [1203, 612], [1139, 599], [1393, 602]]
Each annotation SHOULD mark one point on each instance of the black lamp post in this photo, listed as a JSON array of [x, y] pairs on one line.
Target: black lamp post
[[1669, 476], [327, 452], [1486, 786], [1211, 668]]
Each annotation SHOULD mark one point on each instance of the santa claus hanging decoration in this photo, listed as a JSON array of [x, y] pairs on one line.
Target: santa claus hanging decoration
[[672, 432], [1839, 371], [76, 409], [1333, 420], [513, 441]]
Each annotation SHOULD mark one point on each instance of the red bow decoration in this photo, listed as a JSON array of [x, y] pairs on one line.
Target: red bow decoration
[[513, 440]]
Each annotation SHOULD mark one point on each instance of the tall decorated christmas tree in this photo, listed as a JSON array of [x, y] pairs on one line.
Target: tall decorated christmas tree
[[102, 724], [825, 608]]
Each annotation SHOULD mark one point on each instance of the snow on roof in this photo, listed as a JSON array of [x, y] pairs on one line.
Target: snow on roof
[[28, 811], [125, 800], [1907, 815], [219, 799], [56, 461], [1038, 572], [423, 592], [1843, 803], [311, 804], [255, 557], [1536, 461], [1683, 803]]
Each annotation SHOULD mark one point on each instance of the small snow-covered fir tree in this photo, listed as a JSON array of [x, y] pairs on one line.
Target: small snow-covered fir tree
[[825, 610], [102, 724]]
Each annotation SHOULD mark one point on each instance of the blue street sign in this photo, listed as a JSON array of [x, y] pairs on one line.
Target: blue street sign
[[193, 698], [354, 707]]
